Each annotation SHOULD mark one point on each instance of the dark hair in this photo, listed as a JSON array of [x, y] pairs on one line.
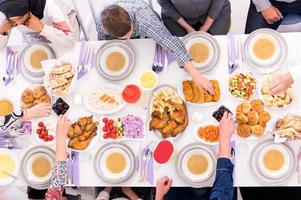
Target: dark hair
[[116, 21]]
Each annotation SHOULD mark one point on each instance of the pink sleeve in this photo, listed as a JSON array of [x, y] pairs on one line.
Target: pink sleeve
[[53, 194]]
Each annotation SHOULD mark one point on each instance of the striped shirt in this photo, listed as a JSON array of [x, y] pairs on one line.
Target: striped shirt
[[146, 23]]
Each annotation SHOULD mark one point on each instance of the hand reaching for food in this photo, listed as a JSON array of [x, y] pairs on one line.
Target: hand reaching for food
[[226, 129], [200, 80], [62, 127], [38, 111], [281, 83], [162, 187]]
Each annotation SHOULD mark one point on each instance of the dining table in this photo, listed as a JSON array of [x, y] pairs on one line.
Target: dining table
[[172, 75]]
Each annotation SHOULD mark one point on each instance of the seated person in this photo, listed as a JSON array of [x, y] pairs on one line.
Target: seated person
[[128, 19], [223, 185], [182, 17], [14, 121], [49, 21], [59, 172], [270, 13]]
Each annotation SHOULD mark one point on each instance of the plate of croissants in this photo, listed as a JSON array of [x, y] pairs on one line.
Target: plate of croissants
[[198, 97], [252, 119], [83, 133]]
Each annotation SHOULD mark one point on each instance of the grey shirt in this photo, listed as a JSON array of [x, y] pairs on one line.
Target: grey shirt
[[191, 10], [264, 4]]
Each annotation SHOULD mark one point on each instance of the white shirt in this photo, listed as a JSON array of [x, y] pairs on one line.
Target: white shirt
[[55, 11], [264, 4]]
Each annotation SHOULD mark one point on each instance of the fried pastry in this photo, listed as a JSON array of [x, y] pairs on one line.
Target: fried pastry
[[257, 105], [27, 96], [242, 118], [253, 118], [187, 90], [216, 89], [208, 97], [39, 91], [201, 95], [264, 117], [44, 99], [195, 92], [243, 130], [244, 107], [257, 130]]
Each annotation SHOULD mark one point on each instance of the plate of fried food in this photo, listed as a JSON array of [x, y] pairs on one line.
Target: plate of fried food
[[168, 112], [83, 134], [252, 119], [287, 127], [207, 133], [60, 77], [276, 101], [32, 97], [196, 96]]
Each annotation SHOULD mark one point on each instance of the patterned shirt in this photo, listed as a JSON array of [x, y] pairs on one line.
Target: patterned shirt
[[146, 23], [57, 182]]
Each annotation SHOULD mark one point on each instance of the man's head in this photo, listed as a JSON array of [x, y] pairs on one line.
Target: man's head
[[117, 22]]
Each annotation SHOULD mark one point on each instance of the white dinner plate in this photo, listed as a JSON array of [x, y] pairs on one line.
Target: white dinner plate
[[99, 111], [15, 159]]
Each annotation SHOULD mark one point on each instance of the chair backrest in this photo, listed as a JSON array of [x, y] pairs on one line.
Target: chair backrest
[[291, 23]]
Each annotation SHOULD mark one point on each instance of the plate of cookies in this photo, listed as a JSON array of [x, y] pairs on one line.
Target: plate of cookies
[[252, 119], [33, 96], [60, 77]]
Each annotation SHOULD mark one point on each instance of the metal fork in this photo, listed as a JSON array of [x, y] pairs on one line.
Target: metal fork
[[145, 159], [158, 65], [85, 59]]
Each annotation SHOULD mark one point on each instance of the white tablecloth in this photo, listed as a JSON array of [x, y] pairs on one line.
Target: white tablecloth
[[144, 50]]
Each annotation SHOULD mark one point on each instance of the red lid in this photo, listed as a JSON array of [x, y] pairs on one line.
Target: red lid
[[131, 93], [163, 152]]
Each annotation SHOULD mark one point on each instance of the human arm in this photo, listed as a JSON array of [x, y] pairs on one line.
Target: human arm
[[223, 185], [162, 187], [213, 12], [20, 116], [151, 26], [61, 27], [269, 12], [5, 29], [168, 9], [59, 171]]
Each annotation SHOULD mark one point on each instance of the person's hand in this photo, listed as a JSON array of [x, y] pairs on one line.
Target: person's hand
[[281, 83], [62, 127], [162, 187], [271, 15], [34, 23], [201, 81], [207, 25], [226, 129], [38, 111], [6, 27], [190, 29]]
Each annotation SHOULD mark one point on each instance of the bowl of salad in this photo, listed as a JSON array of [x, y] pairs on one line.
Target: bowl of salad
[[242, 86]]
